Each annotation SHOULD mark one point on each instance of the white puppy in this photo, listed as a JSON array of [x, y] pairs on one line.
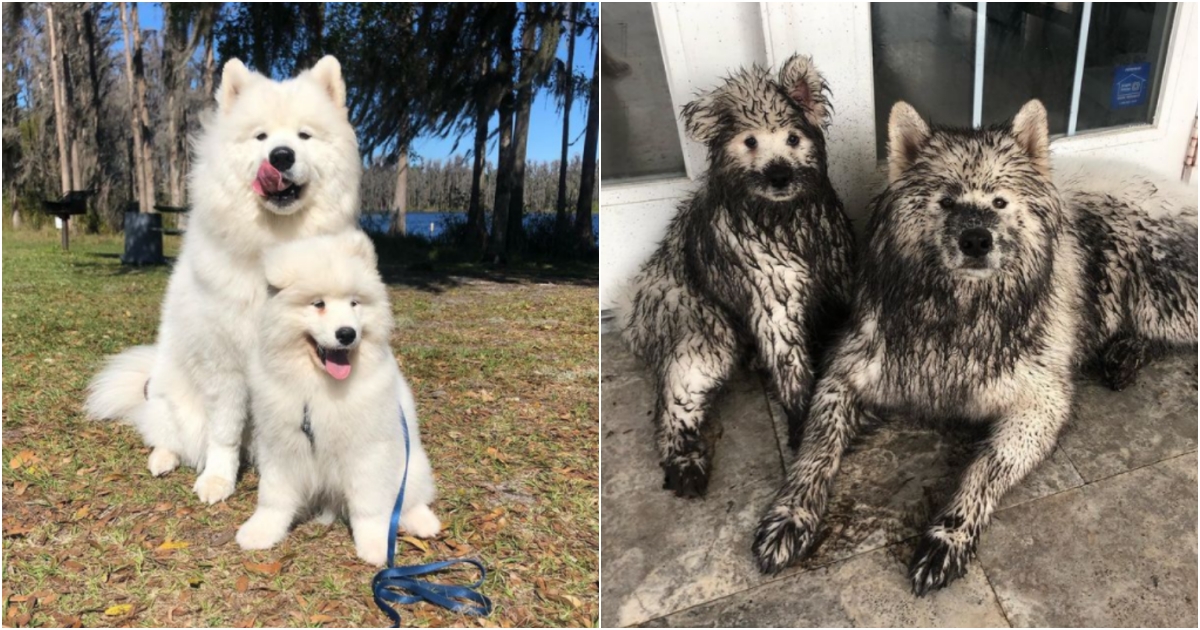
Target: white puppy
[[327, 396], [277, 161]]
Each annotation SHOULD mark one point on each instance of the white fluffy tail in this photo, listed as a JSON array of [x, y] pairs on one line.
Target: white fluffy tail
[[120, 388]]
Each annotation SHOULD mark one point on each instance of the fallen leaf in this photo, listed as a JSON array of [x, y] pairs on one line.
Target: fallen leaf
[[171, 545], [319, 618], [269, 568], [416, 542], [81, 512], [195, 582], [119, 609], [222, 538], [72, 565], [243, 583], [20, 459], [20, 487]]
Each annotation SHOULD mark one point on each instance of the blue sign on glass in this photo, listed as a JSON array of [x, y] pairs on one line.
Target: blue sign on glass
[[1131, 84]]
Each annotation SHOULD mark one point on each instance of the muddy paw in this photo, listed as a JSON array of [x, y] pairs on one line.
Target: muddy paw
[[783, 536], [1121, 361], [936, 563], [687, 475]]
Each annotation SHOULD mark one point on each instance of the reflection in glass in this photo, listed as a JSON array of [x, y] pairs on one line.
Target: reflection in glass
[[924, 55], [1123, 69], [639, 137]]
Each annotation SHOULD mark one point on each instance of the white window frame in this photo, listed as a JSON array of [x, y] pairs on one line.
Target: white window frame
[[701, 43]]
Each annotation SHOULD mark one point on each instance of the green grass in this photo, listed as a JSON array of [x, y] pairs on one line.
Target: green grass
[[504, 369]]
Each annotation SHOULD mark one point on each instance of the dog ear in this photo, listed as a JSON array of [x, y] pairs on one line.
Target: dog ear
[[1032, 130], [906, 134], [700, 117], [234, 77], [328, 74], [805, 85], [272, 290]]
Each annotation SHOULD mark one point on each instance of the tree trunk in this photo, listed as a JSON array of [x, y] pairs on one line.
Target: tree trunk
[[498, 243], [567, 84], [584, 236], [209, 66], [173, 46], [399, 223], [60, 114], [524, 102], [135, 126], [476, 223], [139, 74], [88, 23]]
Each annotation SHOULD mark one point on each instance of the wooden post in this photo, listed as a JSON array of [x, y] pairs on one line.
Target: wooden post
[[66, 232]]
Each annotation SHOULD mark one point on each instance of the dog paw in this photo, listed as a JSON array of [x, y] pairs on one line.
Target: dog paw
[[212, 489], [259, 533], [686, 475], [421, 522], [936, 563], [1121, 361], [371, 547], [783, 536], [162, 461]]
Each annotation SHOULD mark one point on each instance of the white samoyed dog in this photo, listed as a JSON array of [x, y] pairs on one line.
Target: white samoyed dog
[[326, 397], [277, 161]]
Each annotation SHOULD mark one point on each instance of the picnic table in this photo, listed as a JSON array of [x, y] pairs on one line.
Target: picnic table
[[71, 204]]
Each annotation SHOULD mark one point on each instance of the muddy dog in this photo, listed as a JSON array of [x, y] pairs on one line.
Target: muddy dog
[[757, 260], [983, 288]]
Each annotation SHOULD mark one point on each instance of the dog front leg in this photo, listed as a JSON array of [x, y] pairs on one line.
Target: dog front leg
[[1019, 442], [279, 500], [788, 530], [781, 344], [225, 404], [696, 368]]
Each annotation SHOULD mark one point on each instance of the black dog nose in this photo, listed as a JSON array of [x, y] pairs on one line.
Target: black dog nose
[[346, 335], [975, 242], [282, 158], [778, 175]]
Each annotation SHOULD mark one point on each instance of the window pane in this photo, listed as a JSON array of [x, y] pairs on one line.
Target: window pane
[[1030, 51], [925, 56], [1123, 68], [639, 138]]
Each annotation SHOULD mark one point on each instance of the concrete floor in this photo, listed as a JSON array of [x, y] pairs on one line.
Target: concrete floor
[[1102, 534]]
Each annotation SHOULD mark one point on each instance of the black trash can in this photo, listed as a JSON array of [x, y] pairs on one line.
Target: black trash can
[[143, 239]]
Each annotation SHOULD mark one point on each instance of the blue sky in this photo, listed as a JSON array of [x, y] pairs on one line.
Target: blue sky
[[545, 124]]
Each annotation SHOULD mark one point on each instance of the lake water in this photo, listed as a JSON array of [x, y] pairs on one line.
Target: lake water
[[430, 224]]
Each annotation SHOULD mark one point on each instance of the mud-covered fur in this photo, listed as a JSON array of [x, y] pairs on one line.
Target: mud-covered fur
[[755, 261], [1101, 266]]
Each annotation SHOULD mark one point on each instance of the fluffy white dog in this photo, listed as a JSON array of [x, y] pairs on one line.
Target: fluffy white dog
[[327, 395], [277, 161]]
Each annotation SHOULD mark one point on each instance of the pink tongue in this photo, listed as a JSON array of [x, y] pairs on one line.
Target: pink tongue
[[337, 363], [268, 180]]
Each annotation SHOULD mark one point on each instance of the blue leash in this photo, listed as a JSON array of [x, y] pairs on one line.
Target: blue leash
[[399, 585]]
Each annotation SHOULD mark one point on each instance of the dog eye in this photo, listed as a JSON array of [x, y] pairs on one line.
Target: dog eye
[[319, 304], [353, 303], [305, 136], [946, 203], [751, 142], [999, 203], [793, 140], [260, 137]]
